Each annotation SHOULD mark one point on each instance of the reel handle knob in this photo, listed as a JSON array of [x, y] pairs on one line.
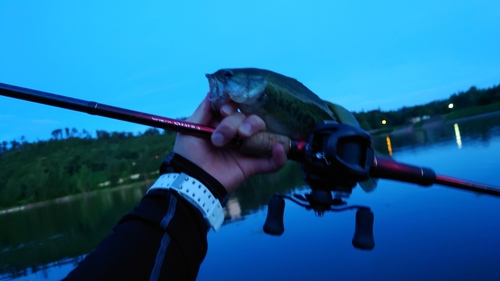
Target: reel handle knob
[[274, 220], [363, 233]]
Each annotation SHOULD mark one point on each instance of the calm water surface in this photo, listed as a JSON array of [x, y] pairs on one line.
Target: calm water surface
[[435, 233]]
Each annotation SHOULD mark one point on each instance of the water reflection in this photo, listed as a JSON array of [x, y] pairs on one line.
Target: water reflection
[[232, 210], [457, 135], [37, 239], [389, 145], [61, 232], [255, 193], [462, 132]]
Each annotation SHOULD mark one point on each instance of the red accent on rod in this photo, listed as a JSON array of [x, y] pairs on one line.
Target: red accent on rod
[[390, 169], [176, 125], [467, 185]]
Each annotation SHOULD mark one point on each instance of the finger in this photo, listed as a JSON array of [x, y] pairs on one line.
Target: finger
[[251, 125], [203, 114], [279, 157], [228, 109], [227, 129], [277, 161], [269, 165]]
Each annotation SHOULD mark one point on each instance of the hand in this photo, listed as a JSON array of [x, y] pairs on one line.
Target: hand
[[224, 162]]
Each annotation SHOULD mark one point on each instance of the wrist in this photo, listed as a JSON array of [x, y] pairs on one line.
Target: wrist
[[195, 193], [175, 163], [195, 185]]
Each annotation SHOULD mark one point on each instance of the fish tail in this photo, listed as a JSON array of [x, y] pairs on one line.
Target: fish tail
[[343, 115]]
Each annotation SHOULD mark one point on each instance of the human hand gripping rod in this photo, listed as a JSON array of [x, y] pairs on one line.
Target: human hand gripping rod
[[259, 144]]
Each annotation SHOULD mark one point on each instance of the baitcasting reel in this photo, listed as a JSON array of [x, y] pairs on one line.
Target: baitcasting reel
[[337, 157]]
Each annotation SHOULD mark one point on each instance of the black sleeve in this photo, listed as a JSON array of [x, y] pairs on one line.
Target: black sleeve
[[164, 238]]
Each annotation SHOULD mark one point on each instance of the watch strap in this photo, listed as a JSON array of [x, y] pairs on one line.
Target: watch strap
[[196, 193], [175, 163]]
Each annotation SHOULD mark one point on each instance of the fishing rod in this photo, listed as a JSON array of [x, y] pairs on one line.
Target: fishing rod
[[261, 143], [332, 150]]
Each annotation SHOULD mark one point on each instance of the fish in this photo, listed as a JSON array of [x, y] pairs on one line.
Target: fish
[[286, 105]]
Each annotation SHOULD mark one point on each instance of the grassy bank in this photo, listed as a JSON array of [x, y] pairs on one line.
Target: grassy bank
[[471, 111]]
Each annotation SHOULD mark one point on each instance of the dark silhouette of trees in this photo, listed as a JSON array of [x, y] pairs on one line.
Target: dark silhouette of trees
[[57, 134], [473, 97]]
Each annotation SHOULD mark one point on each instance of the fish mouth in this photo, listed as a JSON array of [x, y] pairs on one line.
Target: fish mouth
[[216, 95], [241, 92], [216, 88], [217, 91]]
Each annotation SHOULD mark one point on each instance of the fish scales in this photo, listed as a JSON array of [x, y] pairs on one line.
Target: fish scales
[[299, 117]]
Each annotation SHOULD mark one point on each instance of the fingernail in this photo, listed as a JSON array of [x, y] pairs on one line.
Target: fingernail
[[227, 109], [246, 129], [217, 139]]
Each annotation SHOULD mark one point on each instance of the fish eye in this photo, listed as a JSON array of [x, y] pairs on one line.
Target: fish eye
[[228, 74]]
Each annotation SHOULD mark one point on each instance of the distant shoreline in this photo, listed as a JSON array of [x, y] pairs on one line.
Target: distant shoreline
[[481, 115], [432, 122], [68, 198]]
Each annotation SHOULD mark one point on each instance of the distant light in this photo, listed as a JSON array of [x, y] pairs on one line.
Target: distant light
[[384, 122], [450, 105]]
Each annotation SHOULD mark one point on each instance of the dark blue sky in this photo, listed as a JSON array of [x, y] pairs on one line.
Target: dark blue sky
[[152, 56]]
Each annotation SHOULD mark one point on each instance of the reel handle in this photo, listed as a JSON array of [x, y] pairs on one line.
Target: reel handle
[[363, 233], [274, 220]]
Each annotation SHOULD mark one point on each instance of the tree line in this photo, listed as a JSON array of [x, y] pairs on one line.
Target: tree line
[[372, 120], [72, 162]]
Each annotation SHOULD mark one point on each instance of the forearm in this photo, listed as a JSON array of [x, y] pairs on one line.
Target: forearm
[[164, 236]]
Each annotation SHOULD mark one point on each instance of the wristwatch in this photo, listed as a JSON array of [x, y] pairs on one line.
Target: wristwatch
[[196, 193]]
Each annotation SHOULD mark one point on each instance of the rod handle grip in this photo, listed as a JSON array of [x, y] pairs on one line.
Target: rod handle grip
[[262, 143]]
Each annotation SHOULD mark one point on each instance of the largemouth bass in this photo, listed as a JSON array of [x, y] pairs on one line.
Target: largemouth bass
[[286, 105]]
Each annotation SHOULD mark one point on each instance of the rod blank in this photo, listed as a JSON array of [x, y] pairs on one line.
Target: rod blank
[[95, 108]]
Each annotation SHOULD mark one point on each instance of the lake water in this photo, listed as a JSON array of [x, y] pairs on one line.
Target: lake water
[[433, 233]]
